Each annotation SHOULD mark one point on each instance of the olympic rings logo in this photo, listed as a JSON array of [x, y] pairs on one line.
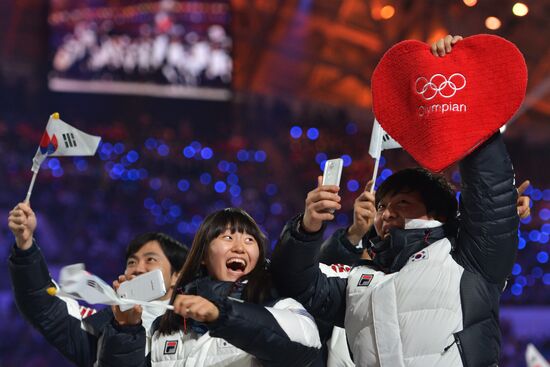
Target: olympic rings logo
[[438, 84]]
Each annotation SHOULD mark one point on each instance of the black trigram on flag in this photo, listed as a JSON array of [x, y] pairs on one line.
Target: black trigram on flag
[[69, 140], [93, 284], [385, 137]]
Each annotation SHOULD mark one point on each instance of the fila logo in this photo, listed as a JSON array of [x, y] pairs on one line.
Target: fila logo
[[170, 346], [365, 280], [439, 84], [69, 140]]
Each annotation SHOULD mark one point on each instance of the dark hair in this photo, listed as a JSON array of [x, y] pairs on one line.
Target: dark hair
[[174, 250], [258, 287], [437, 194]]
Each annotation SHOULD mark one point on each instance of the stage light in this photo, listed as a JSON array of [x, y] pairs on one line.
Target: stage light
[[386, 173], [353, 185], [183, 185], [155, 183], [271, 189], [492, 23], [205, 178], [470, 3], [276, 208], [295, 132], [54, 164], [207, 153], [351, 128], [235, 191], [119, 148], [220, 186], [148, 203], [520, 9], [223, 166], [347, 160], [320, 157], [387, 12], [536, 194], [166, 203], [242, 155], [182, 227], [133, 174], [313, 133], [521, 280], [132, 156], [163, 150], [188, 151], [260, 156], [517, 290]]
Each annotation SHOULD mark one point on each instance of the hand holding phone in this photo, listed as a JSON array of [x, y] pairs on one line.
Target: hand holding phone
[[322, 201], [144, 287]]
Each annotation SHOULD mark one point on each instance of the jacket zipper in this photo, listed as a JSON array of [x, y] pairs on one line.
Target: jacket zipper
[[459, 346]]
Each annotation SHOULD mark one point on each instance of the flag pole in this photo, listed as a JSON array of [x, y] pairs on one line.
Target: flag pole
[[376, 159], [28, 197], [374, 174], [36, 163]]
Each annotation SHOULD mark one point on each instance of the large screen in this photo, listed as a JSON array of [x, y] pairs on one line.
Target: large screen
[[164, 48]]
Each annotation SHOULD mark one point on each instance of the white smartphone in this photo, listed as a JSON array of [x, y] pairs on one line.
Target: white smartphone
[[144, 287], [333, 172]]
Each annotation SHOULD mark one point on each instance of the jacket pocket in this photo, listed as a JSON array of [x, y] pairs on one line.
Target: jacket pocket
[[479, 344]]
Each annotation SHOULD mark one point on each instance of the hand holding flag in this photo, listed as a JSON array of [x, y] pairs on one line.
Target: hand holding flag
[[61, 139]]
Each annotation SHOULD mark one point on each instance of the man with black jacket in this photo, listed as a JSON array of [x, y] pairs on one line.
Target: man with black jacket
[[71, 329], [431, 294]]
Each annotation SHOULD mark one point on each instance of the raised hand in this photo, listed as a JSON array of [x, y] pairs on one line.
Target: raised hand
[[196, 307], [363, 215], [444, 46], [320, 206], [22, 223], [131, 316], [523, 201]]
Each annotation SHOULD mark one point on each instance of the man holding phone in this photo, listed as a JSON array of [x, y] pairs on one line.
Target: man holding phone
[[71, 329], [430, 295]]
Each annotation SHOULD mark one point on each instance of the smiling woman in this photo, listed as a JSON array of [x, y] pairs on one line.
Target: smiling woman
[[225, 308]]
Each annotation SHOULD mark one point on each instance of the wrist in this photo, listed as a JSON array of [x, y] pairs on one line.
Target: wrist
[[354, 235], [23, 245], [308, 227]]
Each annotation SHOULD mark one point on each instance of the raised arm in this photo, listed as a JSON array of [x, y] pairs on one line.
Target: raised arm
[[488, 239], [30, 278], [346, 245], [295, 264]]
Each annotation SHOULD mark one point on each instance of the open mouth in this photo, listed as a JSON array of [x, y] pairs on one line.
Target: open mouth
[[236, 264]]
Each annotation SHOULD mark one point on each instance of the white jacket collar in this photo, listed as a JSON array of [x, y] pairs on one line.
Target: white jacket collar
[[422, 223]]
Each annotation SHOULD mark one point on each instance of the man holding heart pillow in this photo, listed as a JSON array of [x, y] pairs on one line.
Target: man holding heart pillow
[[430, 294]]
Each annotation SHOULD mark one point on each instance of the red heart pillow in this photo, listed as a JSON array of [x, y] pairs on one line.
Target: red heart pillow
[[440, 108]]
